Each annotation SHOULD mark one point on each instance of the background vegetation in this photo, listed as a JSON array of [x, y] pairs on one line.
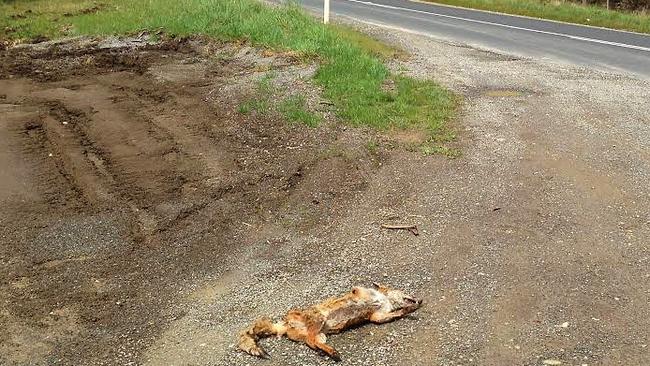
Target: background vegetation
[[589, 12]]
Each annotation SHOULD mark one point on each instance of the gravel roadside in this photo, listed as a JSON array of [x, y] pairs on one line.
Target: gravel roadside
[[532, 250], [534, 243]]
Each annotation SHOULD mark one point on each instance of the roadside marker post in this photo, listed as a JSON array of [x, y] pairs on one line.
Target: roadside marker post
[[326, 11]]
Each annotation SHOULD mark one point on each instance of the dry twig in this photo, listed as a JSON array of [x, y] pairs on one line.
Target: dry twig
[[412, 228]]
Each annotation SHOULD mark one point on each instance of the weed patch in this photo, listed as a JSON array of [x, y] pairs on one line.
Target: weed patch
[[294, 109]]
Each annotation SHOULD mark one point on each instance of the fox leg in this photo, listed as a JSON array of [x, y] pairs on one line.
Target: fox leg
[[379, 317], [317, 342], [262, 328], [308, 330]]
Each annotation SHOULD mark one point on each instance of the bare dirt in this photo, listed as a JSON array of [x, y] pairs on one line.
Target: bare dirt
[[127, 171], [146, 221]]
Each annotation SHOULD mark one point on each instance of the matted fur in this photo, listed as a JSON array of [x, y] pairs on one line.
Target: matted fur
[[310, 326]]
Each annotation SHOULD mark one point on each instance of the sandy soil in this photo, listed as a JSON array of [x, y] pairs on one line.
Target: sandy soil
[[146, 221]]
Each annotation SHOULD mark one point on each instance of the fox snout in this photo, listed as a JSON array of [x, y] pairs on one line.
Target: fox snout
[[411, 303], [413, 300], [407, 304]]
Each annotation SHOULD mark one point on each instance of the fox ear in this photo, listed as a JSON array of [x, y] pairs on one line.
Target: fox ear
[[376, 285]]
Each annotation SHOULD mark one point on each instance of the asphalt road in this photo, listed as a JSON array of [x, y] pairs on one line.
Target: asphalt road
[[588, 46]]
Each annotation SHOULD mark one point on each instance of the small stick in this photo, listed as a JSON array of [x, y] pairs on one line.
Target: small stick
[[412, 228]]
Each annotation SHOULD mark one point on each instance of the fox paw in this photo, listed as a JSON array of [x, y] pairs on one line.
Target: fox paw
[[259, 352], [336, 357]]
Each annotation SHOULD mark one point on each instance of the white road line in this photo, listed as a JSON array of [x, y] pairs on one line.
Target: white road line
[[578, 38]]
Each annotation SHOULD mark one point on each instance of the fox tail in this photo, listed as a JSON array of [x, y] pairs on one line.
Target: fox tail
[[262, 328]]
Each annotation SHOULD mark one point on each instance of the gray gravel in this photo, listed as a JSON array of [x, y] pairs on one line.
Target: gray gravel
[[533, 246], [532, 250]]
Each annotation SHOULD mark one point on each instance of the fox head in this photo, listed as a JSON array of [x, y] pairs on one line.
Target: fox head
[[397, 298]]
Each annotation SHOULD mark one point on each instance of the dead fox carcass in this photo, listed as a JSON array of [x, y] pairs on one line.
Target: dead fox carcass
[[361, 305]]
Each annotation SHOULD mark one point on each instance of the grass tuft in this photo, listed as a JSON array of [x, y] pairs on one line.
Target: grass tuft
[[431, 149], [259, 105], [294, 110], [372, 146]]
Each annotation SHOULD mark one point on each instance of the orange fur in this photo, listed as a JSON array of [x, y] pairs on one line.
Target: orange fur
[[310, 326]]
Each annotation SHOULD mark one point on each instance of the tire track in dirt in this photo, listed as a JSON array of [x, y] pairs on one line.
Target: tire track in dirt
[[151, 177]]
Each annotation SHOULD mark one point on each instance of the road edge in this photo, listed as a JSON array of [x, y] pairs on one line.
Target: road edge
[[432, 2]]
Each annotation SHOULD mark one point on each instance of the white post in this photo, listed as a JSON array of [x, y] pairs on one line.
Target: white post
[[326, 12]]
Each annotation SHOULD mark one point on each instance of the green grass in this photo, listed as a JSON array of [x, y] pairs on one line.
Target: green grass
[[351, 73], [261, 102], [431, 149], [259, 105], [265, 84], [562, 11], [294, 109], [367, 43], [27, 20], [372, 146]]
